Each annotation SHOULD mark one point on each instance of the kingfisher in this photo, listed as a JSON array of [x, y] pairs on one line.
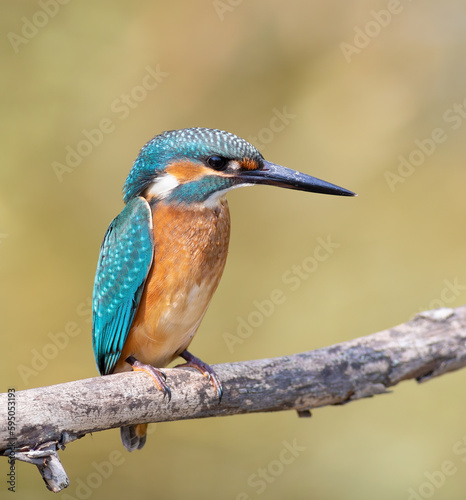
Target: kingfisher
[[162, 257]]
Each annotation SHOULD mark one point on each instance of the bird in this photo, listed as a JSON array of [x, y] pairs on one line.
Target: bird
[[162, 257]]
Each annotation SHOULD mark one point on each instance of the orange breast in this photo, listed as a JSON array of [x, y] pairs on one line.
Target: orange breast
[[191, 246]]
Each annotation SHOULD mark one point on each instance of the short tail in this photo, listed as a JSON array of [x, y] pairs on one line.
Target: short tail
[[133, 437]]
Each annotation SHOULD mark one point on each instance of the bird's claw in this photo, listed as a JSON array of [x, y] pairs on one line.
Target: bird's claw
[[205, 369], [157, 375]]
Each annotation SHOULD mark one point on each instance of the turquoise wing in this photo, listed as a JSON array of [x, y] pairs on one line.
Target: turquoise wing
[[125, 259]]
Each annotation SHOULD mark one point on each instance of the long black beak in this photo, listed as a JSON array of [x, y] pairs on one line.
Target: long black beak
[[276, 175]]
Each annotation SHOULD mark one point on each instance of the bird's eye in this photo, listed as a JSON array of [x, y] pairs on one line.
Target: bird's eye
[[217, 162]]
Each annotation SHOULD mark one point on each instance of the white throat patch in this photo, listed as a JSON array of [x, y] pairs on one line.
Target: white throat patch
[[163, 186], [214, 199]]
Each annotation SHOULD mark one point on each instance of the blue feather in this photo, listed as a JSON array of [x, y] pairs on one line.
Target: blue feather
[[125, 258]]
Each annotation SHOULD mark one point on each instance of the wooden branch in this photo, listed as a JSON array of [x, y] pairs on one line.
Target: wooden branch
[[47, 418]]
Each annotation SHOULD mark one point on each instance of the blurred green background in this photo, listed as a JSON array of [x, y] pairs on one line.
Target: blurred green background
[[354, 85]]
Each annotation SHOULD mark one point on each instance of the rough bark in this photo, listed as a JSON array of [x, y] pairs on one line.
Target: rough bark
[[47, 418]]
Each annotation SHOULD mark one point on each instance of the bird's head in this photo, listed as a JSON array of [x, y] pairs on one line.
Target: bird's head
[[198, 165]]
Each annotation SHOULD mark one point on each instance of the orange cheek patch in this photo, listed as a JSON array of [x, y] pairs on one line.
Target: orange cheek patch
[[249, 164], [187, 171]]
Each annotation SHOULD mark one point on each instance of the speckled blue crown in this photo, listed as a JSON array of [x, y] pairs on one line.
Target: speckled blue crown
[[190, 143]]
